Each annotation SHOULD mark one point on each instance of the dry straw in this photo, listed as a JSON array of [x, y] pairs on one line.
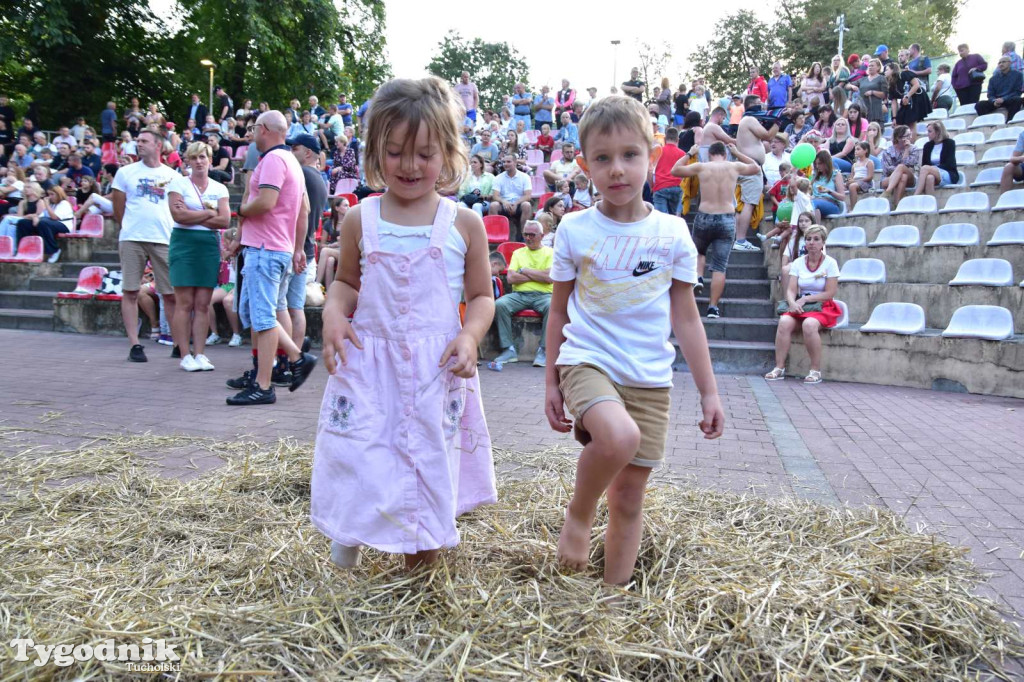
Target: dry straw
[[228, 568]]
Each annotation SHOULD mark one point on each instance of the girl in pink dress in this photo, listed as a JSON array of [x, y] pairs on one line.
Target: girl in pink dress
[[402, 448]]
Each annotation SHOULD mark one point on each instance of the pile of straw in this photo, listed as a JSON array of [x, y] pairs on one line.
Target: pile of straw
[[229, 569]]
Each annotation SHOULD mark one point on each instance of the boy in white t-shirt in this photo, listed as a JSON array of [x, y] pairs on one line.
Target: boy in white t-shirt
[[623, 280]]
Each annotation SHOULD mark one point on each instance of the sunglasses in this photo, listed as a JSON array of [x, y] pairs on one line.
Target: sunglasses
[[530, 236]]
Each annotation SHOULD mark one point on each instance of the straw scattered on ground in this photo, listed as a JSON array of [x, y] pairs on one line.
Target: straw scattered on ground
[[228, 568]]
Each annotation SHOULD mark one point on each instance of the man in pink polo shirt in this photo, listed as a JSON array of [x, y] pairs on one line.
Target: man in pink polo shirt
[[272, 228]]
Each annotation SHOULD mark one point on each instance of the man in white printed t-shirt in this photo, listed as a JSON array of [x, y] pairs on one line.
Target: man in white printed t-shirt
[[512, 194], [140, 207]]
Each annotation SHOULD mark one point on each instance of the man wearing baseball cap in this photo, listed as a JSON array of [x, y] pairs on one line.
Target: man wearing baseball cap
[[882, 54]]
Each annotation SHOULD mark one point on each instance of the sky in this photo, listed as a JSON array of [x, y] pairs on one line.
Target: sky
[[413, 34]]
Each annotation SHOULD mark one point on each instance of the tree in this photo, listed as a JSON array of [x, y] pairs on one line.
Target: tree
[[653, 63], [740, 41], [494, 67]]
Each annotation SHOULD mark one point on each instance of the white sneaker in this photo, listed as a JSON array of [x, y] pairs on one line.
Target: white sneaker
[[189, 364], [54, 257], [204, 363], [540, 359], [744, 246], [236, 341], [344, 556], [212, 339], [507, 356]]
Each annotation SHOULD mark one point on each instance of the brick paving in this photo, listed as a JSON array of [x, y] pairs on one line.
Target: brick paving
[[951, 463]]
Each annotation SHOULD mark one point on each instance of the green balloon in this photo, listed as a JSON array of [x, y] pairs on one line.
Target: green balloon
[[785, 211], [802, 155]]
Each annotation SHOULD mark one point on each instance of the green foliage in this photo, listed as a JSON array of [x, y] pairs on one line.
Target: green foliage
[[653, 61], [494, 67], [740, 41]]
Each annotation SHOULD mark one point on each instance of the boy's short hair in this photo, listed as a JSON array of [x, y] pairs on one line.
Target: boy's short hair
[[944, 68], [497, 257], [671, 134], [716, 149], [784, 167], [615, 111], [803, 184]]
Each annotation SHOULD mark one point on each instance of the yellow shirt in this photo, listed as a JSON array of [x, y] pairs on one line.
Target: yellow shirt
[[539, 259]]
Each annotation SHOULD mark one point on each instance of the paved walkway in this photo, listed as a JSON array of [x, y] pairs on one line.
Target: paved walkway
[[950, 462]]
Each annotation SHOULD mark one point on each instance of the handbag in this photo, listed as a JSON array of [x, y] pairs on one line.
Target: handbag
[[976, 75], [810, 307]]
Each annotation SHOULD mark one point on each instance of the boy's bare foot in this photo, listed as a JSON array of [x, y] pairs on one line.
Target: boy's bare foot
[[574, 543]]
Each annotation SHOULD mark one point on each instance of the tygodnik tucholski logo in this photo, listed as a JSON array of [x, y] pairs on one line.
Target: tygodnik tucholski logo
[[154, 655]]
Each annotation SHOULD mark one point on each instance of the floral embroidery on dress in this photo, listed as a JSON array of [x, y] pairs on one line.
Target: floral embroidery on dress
[[454, 414], [341, 410]]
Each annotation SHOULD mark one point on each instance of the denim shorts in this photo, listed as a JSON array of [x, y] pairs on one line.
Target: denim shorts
[[826, 207], [713, 235], [293, 294], [263, 276], [945, 178]]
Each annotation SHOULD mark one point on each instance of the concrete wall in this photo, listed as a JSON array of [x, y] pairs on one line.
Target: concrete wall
[[16, 276]]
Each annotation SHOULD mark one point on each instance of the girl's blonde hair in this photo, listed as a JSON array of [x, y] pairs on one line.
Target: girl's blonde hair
[[429, 101], [940, 127]]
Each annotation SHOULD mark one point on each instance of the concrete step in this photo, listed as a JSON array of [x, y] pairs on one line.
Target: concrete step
[[746, 257], [27, 300], [734, 271], [744, 288], [740, 308], [756, 329], [53, 284], [72, 268], [36, 320], [734, 357], [105, 258]]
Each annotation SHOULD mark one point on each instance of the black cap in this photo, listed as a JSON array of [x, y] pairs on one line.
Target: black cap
[[305, 140]]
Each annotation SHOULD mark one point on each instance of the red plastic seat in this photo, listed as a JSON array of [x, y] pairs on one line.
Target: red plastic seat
[[497, 228], [352, 198], [241, 151], [544, 199], [6, 248], [108, 297], [506, 249], [90, 279], [375, 194], [92, 226], [528, 314], [345, 185], [556, 154], [30, 250]]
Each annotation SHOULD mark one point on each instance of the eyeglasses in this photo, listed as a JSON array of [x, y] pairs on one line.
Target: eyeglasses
[[530, 236]]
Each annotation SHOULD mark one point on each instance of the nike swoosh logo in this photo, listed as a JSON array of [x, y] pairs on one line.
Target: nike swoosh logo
[[637, 271]]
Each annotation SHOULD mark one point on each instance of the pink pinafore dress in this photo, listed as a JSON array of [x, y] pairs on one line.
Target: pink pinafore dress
[[402, 447]]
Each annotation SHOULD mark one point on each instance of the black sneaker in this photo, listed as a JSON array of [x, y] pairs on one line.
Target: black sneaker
[[699, 286], [281, 376], [306, 344], [137, 354], [254, 395], [176, 353], [301, 369], [713, 312], [244, 381]]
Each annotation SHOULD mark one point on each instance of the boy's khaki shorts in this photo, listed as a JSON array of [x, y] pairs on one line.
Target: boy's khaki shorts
[[584, 386]]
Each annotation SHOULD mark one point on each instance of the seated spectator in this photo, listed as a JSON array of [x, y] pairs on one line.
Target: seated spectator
[[828, 190], [862, 174], [83, 193], [154, 117], [91, 159], [65, 137], [79, 129], [545, 142], [938, 160], [127, 150], [210, 125], [583, 195], [330, 251], [942, 93], [778, 192], [565, 168], [30, 205], [41, 174], [11, 187], [220, 162], [169, 156], [303, 125], [569, 133], [77, 171], [549, 217], [899, 164], [1013, 171], [54, 216], [563, 191], [775, 159], [486, 149], [521, 138], [478, 186], [878, 143], [858, 124], [498, 266], [826, 121], [529, 275], [810, 298], [1004, 90], [512, 194], [346, 161], [513, 147], [46, 158], [841, 145]]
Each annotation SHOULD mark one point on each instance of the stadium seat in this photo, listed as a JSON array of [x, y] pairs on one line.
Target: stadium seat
[[887, 133], [955, 234], [965, 110], [922, 130], [345, 186], [1006, 134], [352, 198], [1019, 118], [966, 157], [556, 154], [895, 318], [863, 271], [538, 186], [937, 114], [532, 136], [993, 119], [541, 168], [543, 198], [1010, 201], [970, 202], [6, 248], [90, 279], [844, 318], [241, 151], [1008, 234], [970, 139], [375, 194], [870, 206], [898, 235], [988, 176], [1001, 154], [30, 250], [506, 249], [92, 226], [984, 272], [921, 203], [955, 125], [497, 228], [850, 236], [988, 322], [921, 141], [534, 157], [528, 314]]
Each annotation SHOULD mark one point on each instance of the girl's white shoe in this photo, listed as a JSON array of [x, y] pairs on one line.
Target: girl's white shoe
[[236, 341], [344, 556]]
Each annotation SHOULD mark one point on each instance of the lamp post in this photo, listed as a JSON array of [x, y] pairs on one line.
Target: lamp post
[[615, 63], [208, 63]]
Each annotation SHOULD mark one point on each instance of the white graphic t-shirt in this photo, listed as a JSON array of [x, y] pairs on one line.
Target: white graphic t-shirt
[[147, 216], [620, 310]]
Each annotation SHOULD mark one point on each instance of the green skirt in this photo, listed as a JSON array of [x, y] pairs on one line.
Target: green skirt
[[194, 257]]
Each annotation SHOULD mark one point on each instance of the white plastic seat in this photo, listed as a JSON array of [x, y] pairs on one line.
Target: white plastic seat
[[966, 157], [971, 202], [1010, 201], [984, 272], [994, 119], [937, 114], [970, 139], [1001, 154], [989, 322], [1009, 134], [920, 203], [922, 129], [863, 271], [921, 141], [988, 176], [895, 318], [870, 206], [844, 318], [955, 234], [965, 110], [1008, 234], [1019, 117], [850, 236], [955, 125], [887, 133], [898, 235]]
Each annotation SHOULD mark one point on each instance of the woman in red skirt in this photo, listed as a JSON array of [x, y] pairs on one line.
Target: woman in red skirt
[[813, 282]]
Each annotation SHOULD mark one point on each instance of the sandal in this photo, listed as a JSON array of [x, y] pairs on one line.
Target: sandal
[[813, 377], [776, 374]]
